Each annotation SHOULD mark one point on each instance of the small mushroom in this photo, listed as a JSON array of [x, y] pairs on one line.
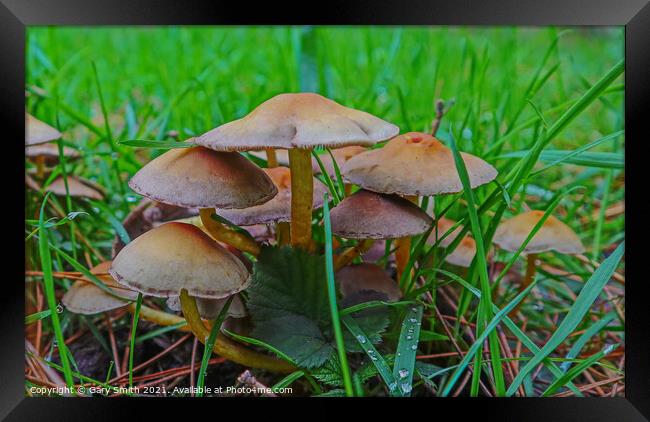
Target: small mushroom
[[341, 155], [86, 298], [210, 308], [552, 235], [49, 153], [356, 278], [369, 215], [77, 187], [38, 132], [299, 123], [413, 164], [198, 177], [176, 256]]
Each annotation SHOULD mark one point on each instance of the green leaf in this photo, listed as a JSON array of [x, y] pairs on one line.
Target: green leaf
[[288, 303], [589, 293], [612, 160]]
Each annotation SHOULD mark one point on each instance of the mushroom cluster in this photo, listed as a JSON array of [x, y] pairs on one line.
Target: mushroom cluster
[[208, 209]]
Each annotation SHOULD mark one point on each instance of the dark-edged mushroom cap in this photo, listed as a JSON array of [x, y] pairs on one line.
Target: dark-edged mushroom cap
[[277, 209], [201, 178], [176, 256], [38, 132], [301, 120], [414, 164], [553, 235], [369, 215], [77, 187], [86, 298], [355, 278]]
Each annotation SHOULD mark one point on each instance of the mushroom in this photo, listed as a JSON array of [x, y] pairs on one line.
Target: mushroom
[[552, 235], [413, 164], [278, 209], [358, 278], [86, 298], [177, 259], [210, 308], [368, 215], [464, 253], [77, 187], [201, 178], [299, 123], [38, 132], [49, 152]]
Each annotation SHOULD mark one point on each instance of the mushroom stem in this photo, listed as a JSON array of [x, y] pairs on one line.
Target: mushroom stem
[[271, 158], [301, 196], [222, 233], [403, 247], [283, 233], [349, 254], [347, 189], [226, 347], [531, 269], [158, 317], [40, 166]]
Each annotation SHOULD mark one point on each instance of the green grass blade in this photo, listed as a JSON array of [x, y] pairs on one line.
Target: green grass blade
[[407, 348], [584, 337], [485, 311], [48, 281], [589, 293], [331, 292], [134, 326], [209, 345]]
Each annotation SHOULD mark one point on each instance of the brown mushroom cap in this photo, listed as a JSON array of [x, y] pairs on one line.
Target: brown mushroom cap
[[303, 120], [553, 235], [176, 256], [358, 277], [369, 215], [277, 209], [85, 298], [50, 151], [38, 132], [201, 178], [76, 186], [414, 164]]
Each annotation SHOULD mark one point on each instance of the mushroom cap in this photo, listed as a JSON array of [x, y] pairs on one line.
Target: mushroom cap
[[302, 120], [464, 252], [76, 186], [50, 151], [201, 178], [355, 278], [85, 298], [414, 164], [369, 215], [277, 209], [210, 308], [147, 215], [553, 235], [176, 256], [38, 132]]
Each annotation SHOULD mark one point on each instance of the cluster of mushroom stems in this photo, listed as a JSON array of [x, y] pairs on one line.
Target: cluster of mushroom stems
[[205, 258]]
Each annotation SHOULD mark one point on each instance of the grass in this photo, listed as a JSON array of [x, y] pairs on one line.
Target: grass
[[543, 105]]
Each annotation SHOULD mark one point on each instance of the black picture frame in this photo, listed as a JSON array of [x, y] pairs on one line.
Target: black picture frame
[[15, 15]]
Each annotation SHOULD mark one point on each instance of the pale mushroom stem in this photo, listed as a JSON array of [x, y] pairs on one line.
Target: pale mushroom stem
[[158, 317], [302, 189], [222, 233], [403, 247], [225, 347], [347, 188], [349, 254], [40, 166], [282, 230], [531, 269]]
